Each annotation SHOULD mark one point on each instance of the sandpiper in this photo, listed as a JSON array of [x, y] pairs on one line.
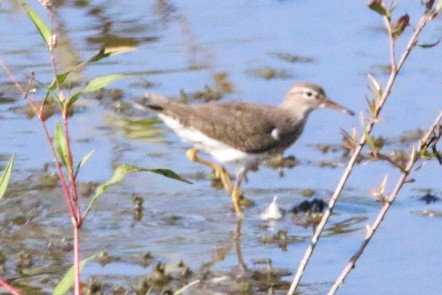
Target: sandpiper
[[242, 134]]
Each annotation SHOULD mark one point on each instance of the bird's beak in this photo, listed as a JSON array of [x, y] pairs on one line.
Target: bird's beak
[[328, 103]]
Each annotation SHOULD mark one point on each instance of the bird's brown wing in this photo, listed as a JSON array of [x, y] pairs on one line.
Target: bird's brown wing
[[247, 127]]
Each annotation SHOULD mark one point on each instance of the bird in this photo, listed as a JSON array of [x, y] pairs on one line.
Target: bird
[[241, 134]]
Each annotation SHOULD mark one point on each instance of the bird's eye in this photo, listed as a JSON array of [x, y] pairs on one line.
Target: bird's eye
[[309, 93]]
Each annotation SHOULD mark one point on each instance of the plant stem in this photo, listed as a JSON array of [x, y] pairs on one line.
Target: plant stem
[[383, 98], [386, 206], [9, 288], [71, 173], [61, 176], [77, 281]]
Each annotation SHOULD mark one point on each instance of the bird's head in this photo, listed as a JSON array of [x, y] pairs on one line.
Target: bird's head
[[306, 97]]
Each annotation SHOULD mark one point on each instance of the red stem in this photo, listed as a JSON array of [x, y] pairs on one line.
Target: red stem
[[61, 176], [9, 288], [77, 282], [71, 172]]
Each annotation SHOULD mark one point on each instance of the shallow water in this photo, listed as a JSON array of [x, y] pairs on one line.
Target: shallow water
[[183, 46]]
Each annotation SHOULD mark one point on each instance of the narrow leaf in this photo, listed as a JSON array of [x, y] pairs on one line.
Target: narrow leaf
[[104, 53], [83, 161], [399, 26], [68, 280], [429, 45], [109, 51], [100, 55], [379, 7], [114, 50], [101, 82], [370, 141], [62, 145], [6, 175], [72, 100], [119, 174], [42, 28], [375, 84], [60, 78], [167, 173]]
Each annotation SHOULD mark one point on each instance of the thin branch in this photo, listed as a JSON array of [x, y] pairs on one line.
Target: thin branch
[[392, 44], [25, 93], [383, 98], [414, 157]]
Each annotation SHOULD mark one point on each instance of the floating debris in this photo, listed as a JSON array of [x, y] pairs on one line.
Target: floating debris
[[280, 238], [428, 213], [272, 212], [312, 207], [292, 58], [429, 198], [144, 259], [308, 192], [268, 73]]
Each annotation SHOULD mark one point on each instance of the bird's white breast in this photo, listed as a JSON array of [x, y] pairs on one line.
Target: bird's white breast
[[220, 151]]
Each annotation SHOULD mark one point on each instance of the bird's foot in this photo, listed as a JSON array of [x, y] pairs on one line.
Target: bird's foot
[[219, 171], [236, 199]]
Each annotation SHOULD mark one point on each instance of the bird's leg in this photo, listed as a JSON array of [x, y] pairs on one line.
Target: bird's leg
[[220, 171], [236, 193]]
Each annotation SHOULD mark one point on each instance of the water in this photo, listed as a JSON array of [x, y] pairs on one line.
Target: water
[[181, 46]]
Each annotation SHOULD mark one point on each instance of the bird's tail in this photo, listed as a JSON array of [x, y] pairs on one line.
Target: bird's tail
[[151, 101]]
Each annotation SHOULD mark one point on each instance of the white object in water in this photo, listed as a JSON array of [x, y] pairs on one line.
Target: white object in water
[[272, 212]]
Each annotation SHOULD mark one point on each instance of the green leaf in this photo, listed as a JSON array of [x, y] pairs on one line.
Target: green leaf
[[83, 161], [42, 28], [62, 146], [94, 85], [168, 173], [377, 90], [110, 51], [119, 174], [379, 7], [60, 78], [429, 45], [72, 100], [375, 144], [399, 26], [103, 53], [68, 280], [100, 55], [6, 175], [101, 82]]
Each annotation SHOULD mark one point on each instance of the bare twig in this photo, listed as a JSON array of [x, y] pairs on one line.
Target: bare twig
[[414, 157], [428, 15]]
